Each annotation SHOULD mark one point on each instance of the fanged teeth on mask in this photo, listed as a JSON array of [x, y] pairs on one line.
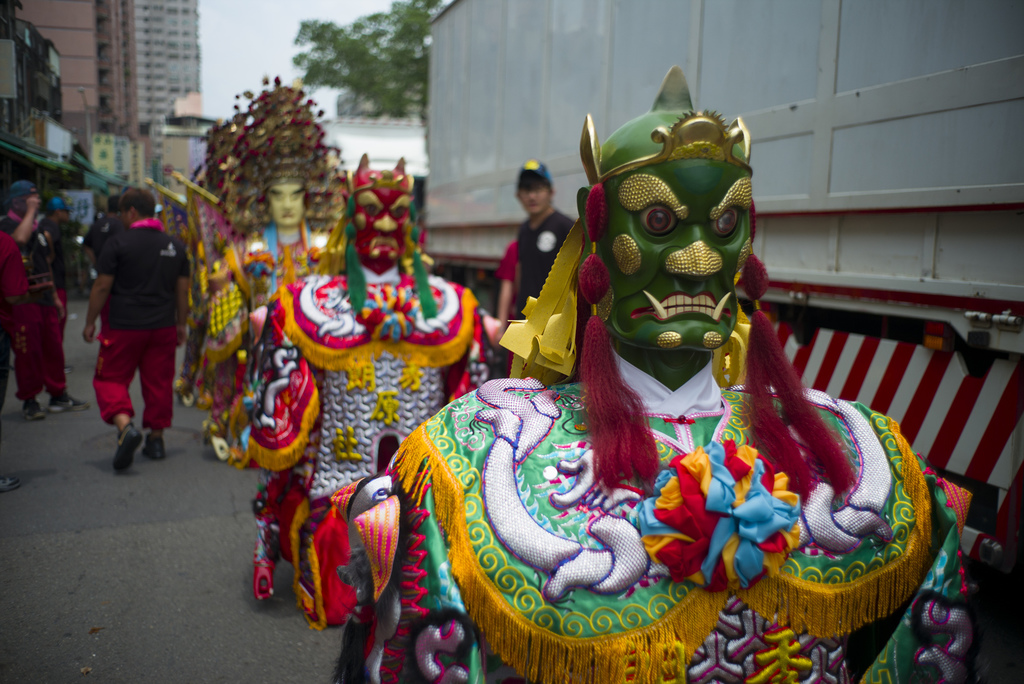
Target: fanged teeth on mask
[[676, 304], [658, 308]]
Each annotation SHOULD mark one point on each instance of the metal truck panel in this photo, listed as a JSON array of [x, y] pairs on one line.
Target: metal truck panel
[[925, 265], [856, 105], [966, 425]]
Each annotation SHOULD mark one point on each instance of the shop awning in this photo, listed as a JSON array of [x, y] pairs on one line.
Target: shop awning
[[45, 162]]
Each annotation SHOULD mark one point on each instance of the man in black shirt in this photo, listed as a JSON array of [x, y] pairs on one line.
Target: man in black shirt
[[541, 235], [145, 274], [38, 353], [57, 213], [102, 229]]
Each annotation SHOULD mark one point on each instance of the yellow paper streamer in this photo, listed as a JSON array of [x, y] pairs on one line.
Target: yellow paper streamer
[[544, 343]]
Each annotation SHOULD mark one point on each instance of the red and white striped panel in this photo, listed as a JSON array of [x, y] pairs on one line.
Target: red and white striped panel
[[961, 423]]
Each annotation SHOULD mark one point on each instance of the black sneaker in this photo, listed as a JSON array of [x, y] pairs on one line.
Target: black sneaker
[[31, 410], [128, 441], [9, 482], [154, 447], [66, 402]]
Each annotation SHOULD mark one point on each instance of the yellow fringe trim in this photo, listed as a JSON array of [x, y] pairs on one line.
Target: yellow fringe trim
[[232, 260], [286, 457], [224, 353], [318, 599], [420, 355], [647, 654], [295, 537], [828, 610]]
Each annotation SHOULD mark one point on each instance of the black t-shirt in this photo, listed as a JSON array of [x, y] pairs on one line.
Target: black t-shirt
[[103, 228], [37, 249], [58, 267], [146, 264], [537, 251]]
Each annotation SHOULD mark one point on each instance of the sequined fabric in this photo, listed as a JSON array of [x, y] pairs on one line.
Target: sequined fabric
[[355, 420], [730, 653]]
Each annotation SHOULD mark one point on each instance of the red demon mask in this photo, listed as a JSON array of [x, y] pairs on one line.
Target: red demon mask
[[382, 211]]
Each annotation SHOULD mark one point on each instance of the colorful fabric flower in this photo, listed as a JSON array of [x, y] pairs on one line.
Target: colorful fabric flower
[[389, 312], [259, 264], [720, 517]]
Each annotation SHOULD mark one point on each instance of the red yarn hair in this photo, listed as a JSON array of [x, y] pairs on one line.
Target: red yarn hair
[[770, 373], [619, 435]]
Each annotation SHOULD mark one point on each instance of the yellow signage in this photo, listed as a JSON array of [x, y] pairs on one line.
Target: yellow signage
[[103, 152]]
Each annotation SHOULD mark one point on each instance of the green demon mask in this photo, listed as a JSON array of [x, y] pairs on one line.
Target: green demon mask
[[677, 193]]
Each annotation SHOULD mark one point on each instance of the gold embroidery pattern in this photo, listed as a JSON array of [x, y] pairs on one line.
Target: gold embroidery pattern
[[696, 260], [345, 444], [362, 376], [740, 195], [411, 377], [626, 253], [669, 340], [386, 408], [644, 190], [712, 340], [699, 150], [745, 253], [780, 665]]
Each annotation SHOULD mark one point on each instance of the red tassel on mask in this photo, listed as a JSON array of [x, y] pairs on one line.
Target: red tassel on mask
[[597, 213], [769, 370]]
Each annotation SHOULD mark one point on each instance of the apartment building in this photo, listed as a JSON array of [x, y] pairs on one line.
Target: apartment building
[[96, 42], [168, 62]]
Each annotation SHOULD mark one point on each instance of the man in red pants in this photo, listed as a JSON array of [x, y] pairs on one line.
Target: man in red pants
[[145, 274], [38, 353]]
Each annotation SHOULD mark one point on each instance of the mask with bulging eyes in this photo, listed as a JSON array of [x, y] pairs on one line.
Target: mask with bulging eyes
[[382, 210], [678, 233]]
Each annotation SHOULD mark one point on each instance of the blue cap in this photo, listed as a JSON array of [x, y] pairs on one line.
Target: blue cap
[[536, 168], [56, 204], [21, 189]]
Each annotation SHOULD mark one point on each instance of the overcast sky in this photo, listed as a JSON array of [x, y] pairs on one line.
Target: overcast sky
[[243, 41]]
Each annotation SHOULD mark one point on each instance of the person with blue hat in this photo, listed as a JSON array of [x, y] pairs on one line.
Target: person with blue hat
[[541, 234], [57, 213], [39, 354]]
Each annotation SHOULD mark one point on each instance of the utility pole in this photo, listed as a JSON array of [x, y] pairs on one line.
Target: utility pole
[[88, 122]]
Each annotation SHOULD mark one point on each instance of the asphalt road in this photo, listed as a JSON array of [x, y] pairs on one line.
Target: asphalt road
[[145, 576]]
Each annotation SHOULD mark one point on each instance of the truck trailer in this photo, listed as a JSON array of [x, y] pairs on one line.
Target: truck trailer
[[888, 184]]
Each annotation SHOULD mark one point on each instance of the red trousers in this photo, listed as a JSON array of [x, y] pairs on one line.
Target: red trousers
[[121, 353], [38, 353]]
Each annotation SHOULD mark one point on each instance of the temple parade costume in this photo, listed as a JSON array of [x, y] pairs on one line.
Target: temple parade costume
[[348, 366], [657, 499], [278, 187]]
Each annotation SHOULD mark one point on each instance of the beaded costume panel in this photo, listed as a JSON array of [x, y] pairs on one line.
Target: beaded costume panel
[[552, 568]]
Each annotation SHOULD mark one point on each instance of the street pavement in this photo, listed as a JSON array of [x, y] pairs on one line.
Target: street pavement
[[137, 577], [146, 576]]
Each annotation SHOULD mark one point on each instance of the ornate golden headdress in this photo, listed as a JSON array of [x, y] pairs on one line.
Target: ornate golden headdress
[[275, 139], [694, 135]]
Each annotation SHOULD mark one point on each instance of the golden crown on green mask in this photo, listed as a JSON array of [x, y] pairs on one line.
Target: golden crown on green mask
[[669, 132]]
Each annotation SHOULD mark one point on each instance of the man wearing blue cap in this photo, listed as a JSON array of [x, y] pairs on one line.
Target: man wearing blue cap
[[39, 355], [57, 213], [541, 234]]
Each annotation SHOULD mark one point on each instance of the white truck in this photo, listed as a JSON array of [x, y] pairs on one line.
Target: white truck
[[888, 180]]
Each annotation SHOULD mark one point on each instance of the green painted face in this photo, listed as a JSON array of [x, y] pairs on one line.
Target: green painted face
[[678, 232]]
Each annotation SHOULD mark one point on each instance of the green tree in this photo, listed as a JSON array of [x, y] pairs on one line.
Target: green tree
[[380, 59]]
